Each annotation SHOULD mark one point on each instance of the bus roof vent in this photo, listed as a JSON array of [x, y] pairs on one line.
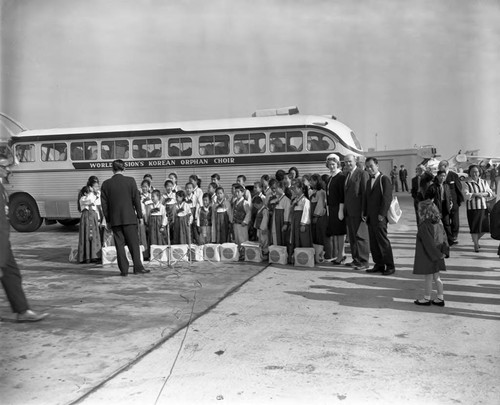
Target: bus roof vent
[[276, 111]]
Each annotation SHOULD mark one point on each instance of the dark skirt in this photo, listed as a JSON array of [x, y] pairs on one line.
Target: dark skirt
[[280, 238], [335, 225], [89, 241], [221, 227], [478, 221], [318, 227], [181, 231], [300, 239], [155, 236]]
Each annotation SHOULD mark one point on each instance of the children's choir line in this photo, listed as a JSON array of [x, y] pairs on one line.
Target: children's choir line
[[284, 210]]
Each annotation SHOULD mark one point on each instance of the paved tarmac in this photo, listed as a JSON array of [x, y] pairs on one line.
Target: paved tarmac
[[256, 334]]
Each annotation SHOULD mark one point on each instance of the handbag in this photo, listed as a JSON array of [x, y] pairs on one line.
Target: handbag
[[394, 213]]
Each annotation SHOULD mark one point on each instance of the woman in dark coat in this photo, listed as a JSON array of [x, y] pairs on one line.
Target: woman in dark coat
[[335, 201], [431, 249]]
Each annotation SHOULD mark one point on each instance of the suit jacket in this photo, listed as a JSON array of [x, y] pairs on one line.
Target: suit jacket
[[4, 227], [417, 196], [355, 188], [375, 202], [403, 174], [434, 193], [453, 180], [121, 200]]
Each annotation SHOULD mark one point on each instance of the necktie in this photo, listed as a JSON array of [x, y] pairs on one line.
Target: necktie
[[347, 179]]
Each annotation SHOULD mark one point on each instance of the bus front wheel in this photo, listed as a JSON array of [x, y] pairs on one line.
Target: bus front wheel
[[23, 213]]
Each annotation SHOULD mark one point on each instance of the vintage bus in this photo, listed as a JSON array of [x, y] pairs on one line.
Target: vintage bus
[[54, 164]]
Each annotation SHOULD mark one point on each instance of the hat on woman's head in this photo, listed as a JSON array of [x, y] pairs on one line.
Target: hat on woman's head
[[332, 156]]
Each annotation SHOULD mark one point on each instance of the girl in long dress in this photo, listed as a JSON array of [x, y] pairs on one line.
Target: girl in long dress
[[300, 217], [156, 220], [221, 212], [182, 220], [318, 210], [89, 240]]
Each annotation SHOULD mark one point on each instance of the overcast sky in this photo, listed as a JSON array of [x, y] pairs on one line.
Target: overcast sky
[[414, 72]]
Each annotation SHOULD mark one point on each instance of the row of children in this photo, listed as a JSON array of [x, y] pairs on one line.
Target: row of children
[[281, 212]]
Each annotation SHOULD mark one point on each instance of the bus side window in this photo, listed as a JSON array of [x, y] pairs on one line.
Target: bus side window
[[249, 143], [107, 150], [294, 141], [180, 147], [122, 149], [90, 150], [76, 151], [53, 151], [25, 153], [319, 142], [276, 142]]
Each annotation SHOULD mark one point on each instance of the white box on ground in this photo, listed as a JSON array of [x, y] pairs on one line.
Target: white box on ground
[[211, 252], [253, 252], [159, 254], [109, 254], [179, 253], [196, 252], [278, 254], [303, 257], [229, 252]]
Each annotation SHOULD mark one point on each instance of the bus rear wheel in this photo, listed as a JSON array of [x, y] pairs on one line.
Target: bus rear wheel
[[23, 214], [69, 222]]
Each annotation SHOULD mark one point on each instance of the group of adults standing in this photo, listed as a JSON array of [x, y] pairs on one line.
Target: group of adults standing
[[358, 202], [448, 193]]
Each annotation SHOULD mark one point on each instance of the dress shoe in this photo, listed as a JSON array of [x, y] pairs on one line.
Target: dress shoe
[[124, 274], [30, 316], [425, 302], [389, 271], [353, 264], [438, 302], [337, 262], [376, 269], [142, 271], [361, 267]]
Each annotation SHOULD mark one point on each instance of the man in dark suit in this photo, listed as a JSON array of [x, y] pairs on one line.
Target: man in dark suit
[[357, 229], [121, 205], [439, 193], [403, 175], [376, 203], [9, 272], [416, 191], [457, 197]]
